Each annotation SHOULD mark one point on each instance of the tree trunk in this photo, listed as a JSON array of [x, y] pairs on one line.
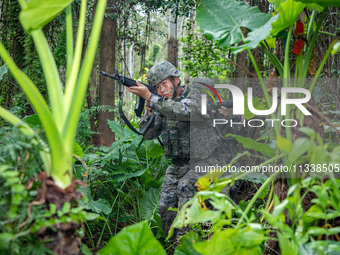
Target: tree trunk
[[91, 99], [172, 40], [107, 86], [11, 28], [192, 23]]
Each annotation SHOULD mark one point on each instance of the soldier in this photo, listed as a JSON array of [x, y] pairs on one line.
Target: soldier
[[175, 108]]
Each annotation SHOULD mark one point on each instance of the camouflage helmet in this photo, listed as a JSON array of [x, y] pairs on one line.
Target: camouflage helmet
[[161, 71], [202, 82]]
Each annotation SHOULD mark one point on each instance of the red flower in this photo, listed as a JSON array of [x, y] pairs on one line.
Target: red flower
[[298, 46], [299, 30]]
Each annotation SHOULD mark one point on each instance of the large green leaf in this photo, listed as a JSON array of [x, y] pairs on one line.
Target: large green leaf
[[256, 36], [78, 150], [149, 203], [324, 3], [222, 20], [32, 120], [288, 10], [284, 144], [120, 131], [195, 210], [3, 70], [136, 239], [287, 245], [249, 143], [150, 149], [186, 245], [98, 206], [276, 3], [315, 7], [244, 241], [122, 176], [40, 12]]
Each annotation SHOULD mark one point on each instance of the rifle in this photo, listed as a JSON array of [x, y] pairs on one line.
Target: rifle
[[125, 81], [225, 103], [215, 107]]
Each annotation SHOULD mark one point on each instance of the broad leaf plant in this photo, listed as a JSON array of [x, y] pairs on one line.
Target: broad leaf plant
[[60, 118]]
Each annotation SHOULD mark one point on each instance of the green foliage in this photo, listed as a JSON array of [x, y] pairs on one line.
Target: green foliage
[[60, 123], [123, 184], [304, 230], [99, 206], [15, 235], [195, 211], [66, 214], [257, 35], [324, 3], [19, 158], [235, 241], [18, 151], [221, 21], [186, 245], [303, 233], [149, 210], [151, 60], [288, 10], [124, 180], [38, 13], [149, 204], [249, 143], [133, 240], [130, 145], [17, 190], [78, 150], [244, 240], [203, 58], [3, 70]]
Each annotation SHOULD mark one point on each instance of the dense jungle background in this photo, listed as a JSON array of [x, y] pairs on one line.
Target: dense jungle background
[[106, 199]]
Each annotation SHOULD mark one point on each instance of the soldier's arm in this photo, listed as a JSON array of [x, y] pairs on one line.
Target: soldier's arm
[[188, 109]]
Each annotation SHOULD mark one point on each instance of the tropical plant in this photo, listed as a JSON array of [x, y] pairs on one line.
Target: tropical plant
[[59, 122]]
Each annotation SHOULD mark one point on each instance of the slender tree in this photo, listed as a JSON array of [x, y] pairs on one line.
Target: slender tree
[[106, 86], [172, 39]]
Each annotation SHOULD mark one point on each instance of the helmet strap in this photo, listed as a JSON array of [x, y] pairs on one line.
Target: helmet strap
[[175, 87]]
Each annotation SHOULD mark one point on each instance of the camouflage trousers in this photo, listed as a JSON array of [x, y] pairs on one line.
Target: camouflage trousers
[[178, 188]]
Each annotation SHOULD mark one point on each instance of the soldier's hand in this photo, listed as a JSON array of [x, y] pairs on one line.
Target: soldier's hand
[[224, 111], [140, 90], [149, 110]]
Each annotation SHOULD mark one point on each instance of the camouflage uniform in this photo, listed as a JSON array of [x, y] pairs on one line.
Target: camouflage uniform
[[172, 122]]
